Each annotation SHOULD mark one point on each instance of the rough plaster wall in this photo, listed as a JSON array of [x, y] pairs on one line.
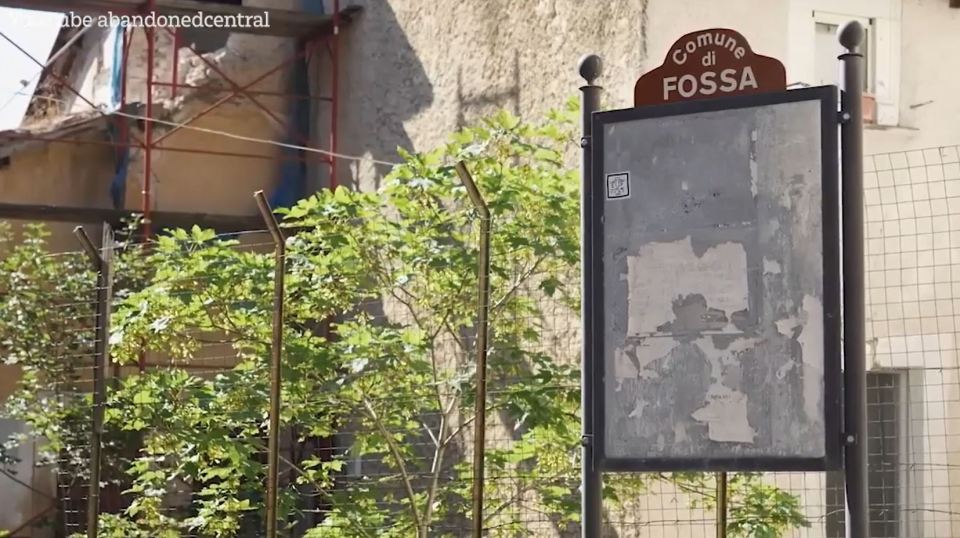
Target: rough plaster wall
[[414, 70], [216, 184], [418, 69], [246, 57], [56, 174], [59, 174]]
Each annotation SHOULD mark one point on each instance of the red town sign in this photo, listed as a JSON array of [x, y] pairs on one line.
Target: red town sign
[[709, 63]]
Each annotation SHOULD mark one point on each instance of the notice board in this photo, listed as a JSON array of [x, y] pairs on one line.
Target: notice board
[[714, 235]]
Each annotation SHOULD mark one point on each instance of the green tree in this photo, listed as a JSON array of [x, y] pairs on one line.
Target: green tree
[[378, 354]]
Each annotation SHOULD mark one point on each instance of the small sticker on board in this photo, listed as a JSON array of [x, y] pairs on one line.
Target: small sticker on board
[[618, 186]]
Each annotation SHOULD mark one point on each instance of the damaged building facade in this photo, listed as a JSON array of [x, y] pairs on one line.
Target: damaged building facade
[[228, 113]]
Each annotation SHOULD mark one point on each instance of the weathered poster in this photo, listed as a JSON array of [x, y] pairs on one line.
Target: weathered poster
[[715, 285]]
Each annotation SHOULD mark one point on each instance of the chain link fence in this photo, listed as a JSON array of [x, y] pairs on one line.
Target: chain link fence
[[378, 394]]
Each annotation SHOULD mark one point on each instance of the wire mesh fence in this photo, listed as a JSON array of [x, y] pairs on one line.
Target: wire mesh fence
[[913, 234], [378, 384]]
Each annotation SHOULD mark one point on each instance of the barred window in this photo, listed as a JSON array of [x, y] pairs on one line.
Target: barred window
[[885, 435]]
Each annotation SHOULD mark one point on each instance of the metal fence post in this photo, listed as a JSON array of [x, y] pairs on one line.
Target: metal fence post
[[854, 336], [102, 262], [483, 283], [276, 348], [591, 479], [722, 505]]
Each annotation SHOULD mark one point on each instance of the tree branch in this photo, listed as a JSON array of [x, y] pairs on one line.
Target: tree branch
[[320, 488], [408, 485], [517, 283]]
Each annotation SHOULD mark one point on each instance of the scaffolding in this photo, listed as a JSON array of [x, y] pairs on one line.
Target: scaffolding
[[318, 37]]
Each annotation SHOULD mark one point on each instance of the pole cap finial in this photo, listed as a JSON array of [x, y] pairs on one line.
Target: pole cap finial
[[851, 35], [591, 66]]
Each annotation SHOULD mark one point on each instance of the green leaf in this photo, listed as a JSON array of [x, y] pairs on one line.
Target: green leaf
[[143, 397], [378, 358]]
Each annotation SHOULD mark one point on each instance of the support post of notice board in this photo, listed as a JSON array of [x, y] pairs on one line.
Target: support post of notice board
[[591, 484], [722, 510], [854, 337]]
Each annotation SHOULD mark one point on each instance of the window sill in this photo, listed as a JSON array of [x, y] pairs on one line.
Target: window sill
[[885, 127]]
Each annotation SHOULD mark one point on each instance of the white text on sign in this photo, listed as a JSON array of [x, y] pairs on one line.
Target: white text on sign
[[710, 82]]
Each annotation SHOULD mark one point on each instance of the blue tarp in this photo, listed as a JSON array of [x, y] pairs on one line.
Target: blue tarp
[[293, 170], [116, 70], [119, 128]]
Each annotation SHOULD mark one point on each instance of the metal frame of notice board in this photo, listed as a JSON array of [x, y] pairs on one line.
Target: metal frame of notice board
[[830, 204]]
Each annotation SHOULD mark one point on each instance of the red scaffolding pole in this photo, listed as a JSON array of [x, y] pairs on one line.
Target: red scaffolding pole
[[145, 201], [315, 31], [329, 36], [334, 48]]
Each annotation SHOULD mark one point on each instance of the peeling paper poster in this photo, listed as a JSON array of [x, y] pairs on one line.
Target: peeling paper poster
[[713, 286]]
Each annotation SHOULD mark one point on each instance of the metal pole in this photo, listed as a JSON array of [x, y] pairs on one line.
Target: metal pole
[[175, 76], [721, 505], [102, 262], [273, 445], [334, 92], [483, 283], [146, 202], [591, 480], [234, 92], [854, 337]]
